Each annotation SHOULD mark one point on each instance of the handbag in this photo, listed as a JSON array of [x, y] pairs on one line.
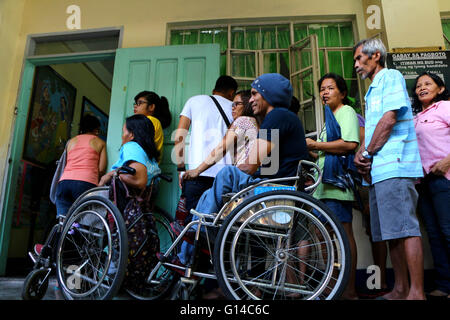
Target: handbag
[[60, 165], [219, 107]]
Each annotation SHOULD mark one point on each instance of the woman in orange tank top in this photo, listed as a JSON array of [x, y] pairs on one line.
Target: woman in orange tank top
[[86, 162]]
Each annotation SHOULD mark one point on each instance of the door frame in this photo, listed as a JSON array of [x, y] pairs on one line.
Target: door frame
[[21, 116]]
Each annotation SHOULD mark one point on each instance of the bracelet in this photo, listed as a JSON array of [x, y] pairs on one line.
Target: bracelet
[[183, 168]]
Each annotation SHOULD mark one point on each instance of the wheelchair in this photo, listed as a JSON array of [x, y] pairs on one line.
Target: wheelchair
[[88, 249], [269, 241]]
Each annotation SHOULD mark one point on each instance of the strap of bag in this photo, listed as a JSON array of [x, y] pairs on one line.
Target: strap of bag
[[227, 122]]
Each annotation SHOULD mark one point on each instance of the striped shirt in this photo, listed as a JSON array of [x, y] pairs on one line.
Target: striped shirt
[[399, 157]]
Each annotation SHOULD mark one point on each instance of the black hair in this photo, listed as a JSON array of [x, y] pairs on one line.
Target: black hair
[[340, 83], [89, 123], [295, 105], [144, 133], [225, 83], [162, 111], [445, 95]]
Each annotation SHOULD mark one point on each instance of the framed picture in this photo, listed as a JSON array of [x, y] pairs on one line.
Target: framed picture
[[49, 117], [88, 107]]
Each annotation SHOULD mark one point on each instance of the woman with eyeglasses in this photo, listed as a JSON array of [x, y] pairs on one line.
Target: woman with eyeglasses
[[239, 138], [156, 108]]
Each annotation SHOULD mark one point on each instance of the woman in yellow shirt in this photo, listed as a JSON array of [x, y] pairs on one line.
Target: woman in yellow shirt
[[156, 108]]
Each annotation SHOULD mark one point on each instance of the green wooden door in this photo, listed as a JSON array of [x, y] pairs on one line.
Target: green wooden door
[[176, 72]]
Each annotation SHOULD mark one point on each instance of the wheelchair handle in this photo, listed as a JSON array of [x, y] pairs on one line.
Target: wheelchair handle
[[126, 170], [165, 177]]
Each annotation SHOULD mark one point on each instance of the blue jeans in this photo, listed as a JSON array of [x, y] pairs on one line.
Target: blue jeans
[[434, 204], [193, 190], [229, 179], [67, 192]]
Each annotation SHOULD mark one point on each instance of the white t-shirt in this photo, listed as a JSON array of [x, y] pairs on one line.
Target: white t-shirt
[[206, 131]]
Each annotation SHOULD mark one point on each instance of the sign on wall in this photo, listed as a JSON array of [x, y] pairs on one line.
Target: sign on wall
[[412, 64]]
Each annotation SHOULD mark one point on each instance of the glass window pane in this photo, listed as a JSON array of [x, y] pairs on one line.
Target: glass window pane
[[347, 35], [331, 36], [347, 58], [317, 29], [206, 36], [190, 36], [176, 37], [268, 38], [77, 45], [252, 38], [300, 32], [237, 38], [334, 62], [284, 38], [446, 30]]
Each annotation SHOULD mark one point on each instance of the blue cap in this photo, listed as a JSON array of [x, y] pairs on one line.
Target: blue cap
[[275, 88]]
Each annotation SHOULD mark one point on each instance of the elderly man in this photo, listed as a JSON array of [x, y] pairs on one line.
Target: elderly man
[[389, 160], [281, 136]]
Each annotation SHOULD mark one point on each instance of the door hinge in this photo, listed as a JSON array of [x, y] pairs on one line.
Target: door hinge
[[16, 111]]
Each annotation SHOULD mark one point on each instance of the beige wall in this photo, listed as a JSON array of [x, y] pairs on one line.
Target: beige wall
[[413, 23], [11, 15]]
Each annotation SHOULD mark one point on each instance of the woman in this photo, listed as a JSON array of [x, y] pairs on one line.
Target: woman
[[86, 162], [138, 151], [432, 124], [155, 108], [239, 138], [333, 92]]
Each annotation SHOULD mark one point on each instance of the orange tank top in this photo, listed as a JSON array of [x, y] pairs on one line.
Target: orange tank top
[[82, 161]]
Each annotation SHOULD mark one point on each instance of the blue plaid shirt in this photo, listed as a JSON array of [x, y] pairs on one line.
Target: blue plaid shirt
[[399, 157]]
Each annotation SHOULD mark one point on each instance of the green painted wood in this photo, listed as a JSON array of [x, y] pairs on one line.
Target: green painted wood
[[15, 157], [18, 138], [176, 72]]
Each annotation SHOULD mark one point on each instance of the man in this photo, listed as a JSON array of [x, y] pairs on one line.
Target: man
[[281, 136], [208, 127], [389, 161]]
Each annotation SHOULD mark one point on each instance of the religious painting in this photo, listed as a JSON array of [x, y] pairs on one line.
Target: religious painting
[[49, 117]]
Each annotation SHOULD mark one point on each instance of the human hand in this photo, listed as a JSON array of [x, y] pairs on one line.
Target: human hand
[[440, 168], [106, 178], [191, 174], [180, 179], [310, 143]]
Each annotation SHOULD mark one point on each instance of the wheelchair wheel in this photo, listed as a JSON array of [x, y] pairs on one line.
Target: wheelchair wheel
[[92, 251], [282, 245], [36, 284], [166, 279]]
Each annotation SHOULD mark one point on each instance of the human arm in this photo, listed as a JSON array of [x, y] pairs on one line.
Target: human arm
[[103, 160], [338, 146], [218, 153], [441, 167], [259, 151], [180, 136], [382, 131], [137, 180]]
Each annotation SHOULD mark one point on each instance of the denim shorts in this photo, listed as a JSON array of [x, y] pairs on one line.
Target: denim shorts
[[341, 209], [393, 205], [67, 192]]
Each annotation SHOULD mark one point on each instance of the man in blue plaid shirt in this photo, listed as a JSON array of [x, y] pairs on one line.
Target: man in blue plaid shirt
[[390, 162]]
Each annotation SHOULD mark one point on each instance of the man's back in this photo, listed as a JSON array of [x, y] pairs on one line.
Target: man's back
[[207, 130], [290, 147]]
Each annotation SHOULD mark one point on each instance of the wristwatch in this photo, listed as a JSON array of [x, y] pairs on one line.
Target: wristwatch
[[366, 154]]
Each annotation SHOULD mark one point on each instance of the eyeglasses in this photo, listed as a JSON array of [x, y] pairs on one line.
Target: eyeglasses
[[139, 102], [235, 104]]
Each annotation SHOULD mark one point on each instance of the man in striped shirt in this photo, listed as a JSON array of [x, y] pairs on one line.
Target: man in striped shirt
[[390, 162]]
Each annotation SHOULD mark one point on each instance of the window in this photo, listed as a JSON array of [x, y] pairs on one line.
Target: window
[[249, 50], [446, 30]]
